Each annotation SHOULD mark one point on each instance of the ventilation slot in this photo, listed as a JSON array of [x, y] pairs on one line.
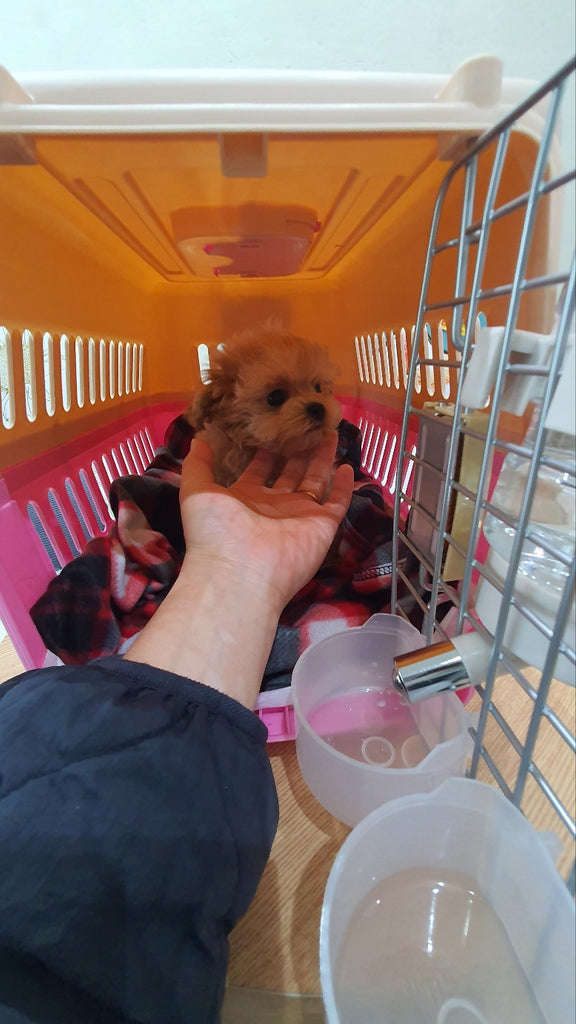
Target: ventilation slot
[[101, 488], [35, 516], [64, 525], [7, 379], [141, 456], [29, 367], [91, 498], [73, 498]]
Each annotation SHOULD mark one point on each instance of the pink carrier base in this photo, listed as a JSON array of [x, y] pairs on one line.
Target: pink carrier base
[[52, 504]]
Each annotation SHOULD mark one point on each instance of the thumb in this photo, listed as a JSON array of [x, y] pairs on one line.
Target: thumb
[[197, 469]]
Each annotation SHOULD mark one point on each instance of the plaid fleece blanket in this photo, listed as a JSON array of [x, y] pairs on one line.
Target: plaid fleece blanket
[[102, 599]]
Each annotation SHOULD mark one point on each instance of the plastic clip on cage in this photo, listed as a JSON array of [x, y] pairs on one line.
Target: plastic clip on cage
[[146, 218]]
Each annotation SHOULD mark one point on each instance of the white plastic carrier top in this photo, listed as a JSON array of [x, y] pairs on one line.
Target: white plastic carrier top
[[475, 96]]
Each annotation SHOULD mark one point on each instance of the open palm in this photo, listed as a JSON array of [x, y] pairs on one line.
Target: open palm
[[277, 534]]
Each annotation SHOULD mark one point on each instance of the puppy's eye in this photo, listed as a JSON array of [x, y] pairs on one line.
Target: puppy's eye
[[277, 397], [318, 389]]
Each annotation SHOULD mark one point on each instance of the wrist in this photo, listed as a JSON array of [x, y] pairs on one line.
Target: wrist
[[217, 626], [231, 583]]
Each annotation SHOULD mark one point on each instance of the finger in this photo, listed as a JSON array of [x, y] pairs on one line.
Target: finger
[[340, 494], [310, 471], [292, 473], [316, 477], [259, 469]]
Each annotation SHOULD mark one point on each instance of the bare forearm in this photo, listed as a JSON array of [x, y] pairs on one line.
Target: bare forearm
[[214, 629]]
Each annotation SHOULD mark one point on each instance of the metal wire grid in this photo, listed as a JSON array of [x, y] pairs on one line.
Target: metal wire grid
[[433, 592]]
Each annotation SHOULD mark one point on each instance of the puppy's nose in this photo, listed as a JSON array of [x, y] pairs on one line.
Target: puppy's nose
[[316, 411]]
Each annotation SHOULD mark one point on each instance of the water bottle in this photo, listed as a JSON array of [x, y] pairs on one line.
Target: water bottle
[[552, 516], [541, 577]]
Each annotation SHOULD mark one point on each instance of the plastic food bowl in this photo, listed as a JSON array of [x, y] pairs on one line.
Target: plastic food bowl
[[446, 908], [358, 743]]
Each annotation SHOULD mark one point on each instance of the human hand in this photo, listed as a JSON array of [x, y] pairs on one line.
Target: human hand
[[275, 537], [249, 549]]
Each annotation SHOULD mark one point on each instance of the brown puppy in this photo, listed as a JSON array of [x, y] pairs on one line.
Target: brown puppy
[[267, 389]]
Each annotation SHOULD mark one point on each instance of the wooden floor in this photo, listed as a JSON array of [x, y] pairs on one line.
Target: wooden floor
[[553, 757], [10, 664], [274, 949]]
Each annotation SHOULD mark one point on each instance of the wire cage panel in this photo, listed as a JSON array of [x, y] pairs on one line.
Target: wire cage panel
[[508, 524]]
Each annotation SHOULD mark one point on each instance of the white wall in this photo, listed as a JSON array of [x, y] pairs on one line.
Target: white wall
[[532, 36]]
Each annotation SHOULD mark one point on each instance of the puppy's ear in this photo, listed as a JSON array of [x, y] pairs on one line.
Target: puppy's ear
[[210, 399], [204, 405]]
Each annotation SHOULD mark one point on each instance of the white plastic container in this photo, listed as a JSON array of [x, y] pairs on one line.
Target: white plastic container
[[541, 578], [358, 743], [504, 953]]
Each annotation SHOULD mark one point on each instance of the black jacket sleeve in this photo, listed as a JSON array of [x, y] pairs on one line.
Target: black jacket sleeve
[[137, 812]]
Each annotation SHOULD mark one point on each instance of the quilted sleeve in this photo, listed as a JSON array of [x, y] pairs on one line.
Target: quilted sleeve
[[137, 812]]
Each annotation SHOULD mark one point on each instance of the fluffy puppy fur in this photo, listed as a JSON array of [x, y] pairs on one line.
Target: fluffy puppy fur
[[267, 389]]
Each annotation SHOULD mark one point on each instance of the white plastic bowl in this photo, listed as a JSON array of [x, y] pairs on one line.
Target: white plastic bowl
[[358, 744], [430, 963]]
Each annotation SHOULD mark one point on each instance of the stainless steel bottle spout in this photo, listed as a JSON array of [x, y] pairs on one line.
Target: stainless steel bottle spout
[[441, 667]]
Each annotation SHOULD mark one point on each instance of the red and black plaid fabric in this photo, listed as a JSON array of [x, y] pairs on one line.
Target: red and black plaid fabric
[[103, 598]]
